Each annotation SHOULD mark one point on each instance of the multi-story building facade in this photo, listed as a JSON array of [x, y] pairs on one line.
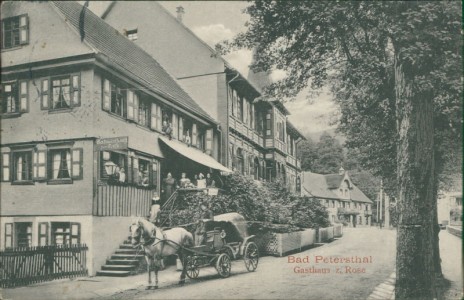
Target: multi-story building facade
[[256, 138], [83, 144], [344, 200]]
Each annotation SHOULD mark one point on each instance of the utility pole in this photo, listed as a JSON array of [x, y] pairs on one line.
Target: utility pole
[[381, 203], [387, 212]]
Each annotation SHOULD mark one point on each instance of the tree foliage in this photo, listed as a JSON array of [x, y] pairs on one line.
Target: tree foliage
[[268, 203], [349, 46], [395, 69]]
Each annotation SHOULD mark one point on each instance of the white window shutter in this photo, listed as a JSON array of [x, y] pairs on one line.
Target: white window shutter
[[23, 96], [153, 120], [159, 118], [136, 107], [194, 134], [130, 105], [6, 166], [24, 30], [76, 89], [106, 95], [44, 94], [77, 160], [175, 130]]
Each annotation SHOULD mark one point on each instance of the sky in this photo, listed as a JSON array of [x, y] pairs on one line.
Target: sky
[[214, 21]]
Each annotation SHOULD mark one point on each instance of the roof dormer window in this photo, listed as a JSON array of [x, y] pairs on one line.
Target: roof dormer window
[[15, 31], [132, 34]]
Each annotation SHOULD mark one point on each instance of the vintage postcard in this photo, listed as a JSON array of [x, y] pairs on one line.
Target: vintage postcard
[[231, 150]]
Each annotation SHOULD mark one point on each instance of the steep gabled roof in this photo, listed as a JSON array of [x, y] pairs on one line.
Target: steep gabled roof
[[358, 195], [126, 54], [325, 186], [333, 180], [316, 185]]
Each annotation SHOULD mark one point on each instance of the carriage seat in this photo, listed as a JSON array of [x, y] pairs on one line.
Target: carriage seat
[[213, 239]]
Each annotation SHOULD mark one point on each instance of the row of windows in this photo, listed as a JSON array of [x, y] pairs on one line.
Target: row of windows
[[56, 93], [19, 234], [128, 104], [244, 110], [55, 165], [335, 204], [15, 31]]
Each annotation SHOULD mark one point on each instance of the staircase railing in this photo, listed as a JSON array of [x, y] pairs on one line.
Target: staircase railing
[[167, 209]]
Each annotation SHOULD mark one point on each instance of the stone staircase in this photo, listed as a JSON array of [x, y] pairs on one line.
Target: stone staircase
[[123, 262]]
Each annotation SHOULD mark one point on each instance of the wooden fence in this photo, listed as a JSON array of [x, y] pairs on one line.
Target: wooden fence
[[26, 265], [115, 200]]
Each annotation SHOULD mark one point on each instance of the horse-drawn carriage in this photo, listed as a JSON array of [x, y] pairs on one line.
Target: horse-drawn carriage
[[226, 240]]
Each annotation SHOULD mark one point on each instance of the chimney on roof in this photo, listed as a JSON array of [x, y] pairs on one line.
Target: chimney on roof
[[341, 171], [180, 13]]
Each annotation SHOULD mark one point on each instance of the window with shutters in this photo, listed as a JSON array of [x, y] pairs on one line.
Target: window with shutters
[[22, 167], [14, 97], [64, 165], [201, 138], [166, 116], [143, 172], [15, 31], [118, 100], [23, 234], [187, 131], [144, 112], [114, 167], [65, 233], [60, 92]]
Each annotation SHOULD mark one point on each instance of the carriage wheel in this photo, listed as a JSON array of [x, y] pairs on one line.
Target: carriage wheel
[[251, 256], [223, 265], [191, 266]]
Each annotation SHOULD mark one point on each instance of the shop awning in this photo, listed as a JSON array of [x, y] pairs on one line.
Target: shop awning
[[194, 154]]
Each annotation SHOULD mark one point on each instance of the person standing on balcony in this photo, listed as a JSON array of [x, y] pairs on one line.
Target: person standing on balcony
[[210, 183], [169, 184], [201, 181]]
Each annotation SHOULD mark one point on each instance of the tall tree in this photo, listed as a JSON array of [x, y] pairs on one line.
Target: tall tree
[[307, 154], [396, 68], [329, 155]]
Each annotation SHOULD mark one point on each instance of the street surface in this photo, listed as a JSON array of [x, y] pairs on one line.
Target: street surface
[[276, 278]]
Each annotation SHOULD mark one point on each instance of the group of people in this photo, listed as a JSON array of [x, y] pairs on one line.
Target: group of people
[[198, 181]]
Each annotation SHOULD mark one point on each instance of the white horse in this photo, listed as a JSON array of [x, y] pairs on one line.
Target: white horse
[[158, 244]]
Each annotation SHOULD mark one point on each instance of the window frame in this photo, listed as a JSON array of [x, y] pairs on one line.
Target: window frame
[[47, 95], [28, 234], [21, 28], [13, 167], [68, 236], [50, 169], [75, 163], [21, 96]]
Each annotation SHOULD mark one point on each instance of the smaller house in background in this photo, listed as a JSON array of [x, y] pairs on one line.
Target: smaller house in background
[[449, 205], [344, 200]]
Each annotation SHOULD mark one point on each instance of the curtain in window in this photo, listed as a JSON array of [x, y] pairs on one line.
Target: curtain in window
[[19, 168], [56, 165], [61, 93], [61, 163]]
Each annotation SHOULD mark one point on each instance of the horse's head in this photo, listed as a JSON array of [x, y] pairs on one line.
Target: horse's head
[[136, 233]]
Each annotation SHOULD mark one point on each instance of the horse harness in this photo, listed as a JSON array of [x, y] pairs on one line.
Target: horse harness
[[154, 240]]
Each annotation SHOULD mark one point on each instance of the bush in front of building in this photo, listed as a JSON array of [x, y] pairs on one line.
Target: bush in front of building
[[309, 213], [268, 206]]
